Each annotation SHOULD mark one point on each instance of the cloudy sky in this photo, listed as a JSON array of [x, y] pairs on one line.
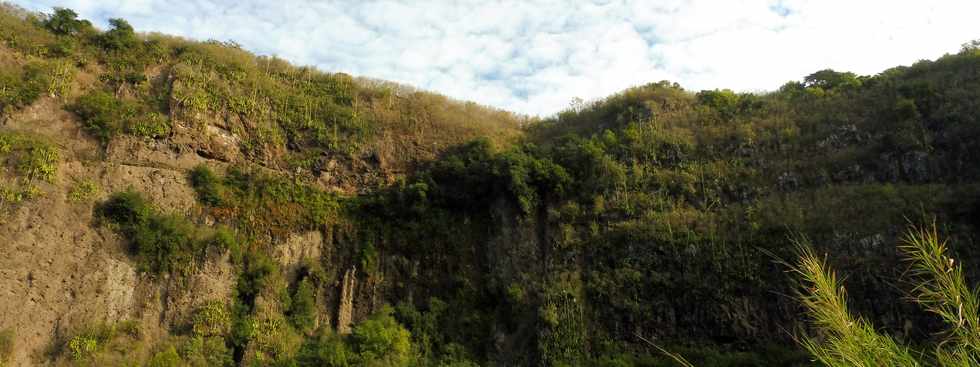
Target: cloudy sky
[[535, 56]]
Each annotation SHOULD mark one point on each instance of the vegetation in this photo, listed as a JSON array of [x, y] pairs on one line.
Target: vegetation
[[678, 203], [106, 116], [87, 345], [161, 243], [83, 190], [31, 160], [940, 287], [652, 215]]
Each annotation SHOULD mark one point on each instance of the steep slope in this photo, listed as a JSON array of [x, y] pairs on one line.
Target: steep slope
[[168, 202]]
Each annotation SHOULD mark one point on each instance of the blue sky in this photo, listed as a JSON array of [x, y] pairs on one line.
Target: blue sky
[[534, 57]]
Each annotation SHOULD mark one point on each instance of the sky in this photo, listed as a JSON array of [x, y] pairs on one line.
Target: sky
[[535, 57]]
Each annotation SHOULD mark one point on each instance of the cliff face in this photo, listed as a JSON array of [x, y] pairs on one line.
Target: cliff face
[[181, 203], [62, 271]]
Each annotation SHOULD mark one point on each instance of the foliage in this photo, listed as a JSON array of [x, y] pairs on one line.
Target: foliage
[[212, 319], [940, 287], [845, 339], [162, 243], [264, 205], [105, 116], [327, 350], [381, 340], [25, 84], [121, 37], [83, 190], [65, 22], [82, 346], [302, 309], [165, 358], [92, 339], [22, 32], [31, 157], [208, 186], [551, 240], [206, 352]]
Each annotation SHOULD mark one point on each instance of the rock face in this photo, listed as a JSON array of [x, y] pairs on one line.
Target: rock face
[[59, 272], [297, 249], [346, 310]]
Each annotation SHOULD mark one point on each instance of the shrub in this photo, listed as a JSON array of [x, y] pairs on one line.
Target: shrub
[[302, 309], [33, 158], [212, 319], [105, 116], [257, 271], [40, 162], [150, 125], [381, 339], [128, 210], [82, 346], [23, 86], [82, 191], [207, 352], [165, 358], [102, 114], [325, 350], [207, 184], [162, 243]]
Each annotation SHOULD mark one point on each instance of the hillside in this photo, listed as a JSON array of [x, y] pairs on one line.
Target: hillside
[[167, 202]]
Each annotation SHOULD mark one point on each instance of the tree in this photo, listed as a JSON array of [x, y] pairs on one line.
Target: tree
[[724, 101], [120, 37], [65, 22], [973, 45], [828, 79]]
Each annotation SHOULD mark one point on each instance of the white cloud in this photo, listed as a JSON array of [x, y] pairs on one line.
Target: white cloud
[[535, 56]]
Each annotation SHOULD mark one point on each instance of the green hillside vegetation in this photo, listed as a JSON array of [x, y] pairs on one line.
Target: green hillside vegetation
[[653, 215], [121, 82]]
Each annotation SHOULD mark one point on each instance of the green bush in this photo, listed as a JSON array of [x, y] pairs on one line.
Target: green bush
[[382, 340], [207, 352], [165, 358], [32, 158], [212, 319], [162, 243], [264, 204], [105, 116], [82, 191], [102, 114], [40, 162], [302, 309], [326, 350], [23, 86], [65, 22], [208, 186], [82, 346], [150, 125]]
